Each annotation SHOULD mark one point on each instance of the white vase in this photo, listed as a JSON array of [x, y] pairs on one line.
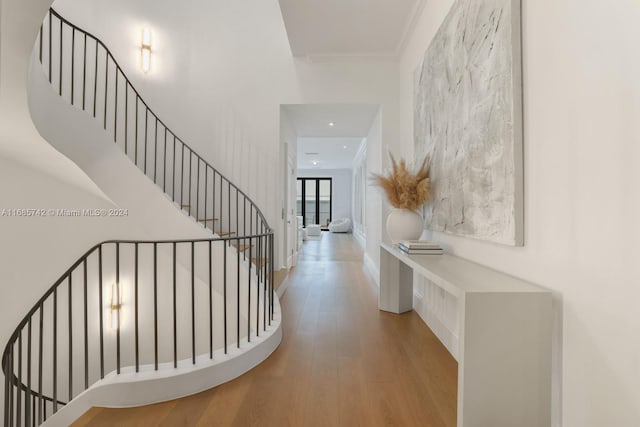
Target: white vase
[[403, 224]]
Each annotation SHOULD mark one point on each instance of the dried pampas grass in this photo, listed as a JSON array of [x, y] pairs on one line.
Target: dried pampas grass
[[405, 189]]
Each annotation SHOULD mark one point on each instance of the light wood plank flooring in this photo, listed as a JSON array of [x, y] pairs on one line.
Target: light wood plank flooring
[[342, 362]]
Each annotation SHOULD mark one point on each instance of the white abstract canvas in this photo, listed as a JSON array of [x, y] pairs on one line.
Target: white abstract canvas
[[468, 119]]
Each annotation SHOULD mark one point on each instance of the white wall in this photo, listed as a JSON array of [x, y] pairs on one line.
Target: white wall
[[359, 193], [222, 70], [581, 103], [373, 212], [289, 150], [341, 189]]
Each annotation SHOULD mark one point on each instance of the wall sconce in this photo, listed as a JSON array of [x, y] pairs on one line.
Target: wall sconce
[[115, 306], [145, 50]]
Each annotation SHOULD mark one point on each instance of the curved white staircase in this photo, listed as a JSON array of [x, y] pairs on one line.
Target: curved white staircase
[[134, 322]]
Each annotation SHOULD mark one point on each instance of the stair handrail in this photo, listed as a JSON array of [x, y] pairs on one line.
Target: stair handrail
[[54, 13]]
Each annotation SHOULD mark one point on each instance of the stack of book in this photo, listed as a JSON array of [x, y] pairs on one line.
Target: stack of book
[[419, 247]]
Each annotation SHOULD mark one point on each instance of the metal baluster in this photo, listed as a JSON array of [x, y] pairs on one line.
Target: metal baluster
[[19, 388], [206, 190], [70, 337], [135, 284], [136, 138], [221, 210], [182, 177], [126, 115], [249, 296], [55, 350], [264, 275], [28, 395], [146, 122], [190, 161], [95, 81], [73, 61], [270, 259], [7, 388], [175, 317], [106, 85], [237, 226], [11, 371], [193, 302], [115, 108], [86, 329], [101, 309], [155, 152], [164, 163], [33, 409], [50, 49], [155, 304], [210, 301], [117, 302], [224, 264], [238, 294], [60, 76], [84, 73], [257, 295], [198, 190], [213, 201], [40, 366], [41, 33], [173, 172]]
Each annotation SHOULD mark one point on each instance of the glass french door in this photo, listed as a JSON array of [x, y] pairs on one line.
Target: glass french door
[[314, 201]]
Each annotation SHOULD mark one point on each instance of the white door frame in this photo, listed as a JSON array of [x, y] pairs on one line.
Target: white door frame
[[290, 227], [291, 212]]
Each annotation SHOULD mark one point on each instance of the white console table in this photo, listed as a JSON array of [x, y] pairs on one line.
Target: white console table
[[504, 336]]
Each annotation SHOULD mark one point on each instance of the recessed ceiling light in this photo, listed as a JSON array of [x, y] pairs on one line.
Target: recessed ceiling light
[[315, 163], [344, 146], [331, 124]]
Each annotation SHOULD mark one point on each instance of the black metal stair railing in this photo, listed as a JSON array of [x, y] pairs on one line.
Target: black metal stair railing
[[162, 303]]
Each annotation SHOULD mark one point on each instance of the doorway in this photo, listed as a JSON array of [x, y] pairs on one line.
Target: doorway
[[314, 201]]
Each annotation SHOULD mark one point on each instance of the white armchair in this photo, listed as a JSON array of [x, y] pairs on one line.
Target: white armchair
[[342, 225]]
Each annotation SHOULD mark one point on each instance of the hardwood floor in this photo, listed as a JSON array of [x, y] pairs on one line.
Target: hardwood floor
[[342, 362]]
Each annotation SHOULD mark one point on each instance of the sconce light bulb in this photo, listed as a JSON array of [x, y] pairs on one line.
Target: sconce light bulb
[[146, 37], [116, 306], [145, 50]]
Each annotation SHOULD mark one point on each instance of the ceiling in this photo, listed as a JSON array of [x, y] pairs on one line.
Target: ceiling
[[331, 147], [349, 28], [327, 153], [349, 120]]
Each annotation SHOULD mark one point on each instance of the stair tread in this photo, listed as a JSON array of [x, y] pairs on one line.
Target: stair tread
[[226, 233], [259, 261], [207, 219], [241, 247]]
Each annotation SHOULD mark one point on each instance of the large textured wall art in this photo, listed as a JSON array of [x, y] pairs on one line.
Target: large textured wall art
[[468, 119]]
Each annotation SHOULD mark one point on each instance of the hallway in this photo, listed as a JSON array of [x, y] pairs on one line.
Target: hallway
[[342, 362]]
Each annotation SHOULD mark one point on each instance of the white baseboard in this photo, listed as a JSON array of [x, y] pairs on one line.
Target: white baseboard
[[372, 269], [446, 336], [360, 238], [283, 287]]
